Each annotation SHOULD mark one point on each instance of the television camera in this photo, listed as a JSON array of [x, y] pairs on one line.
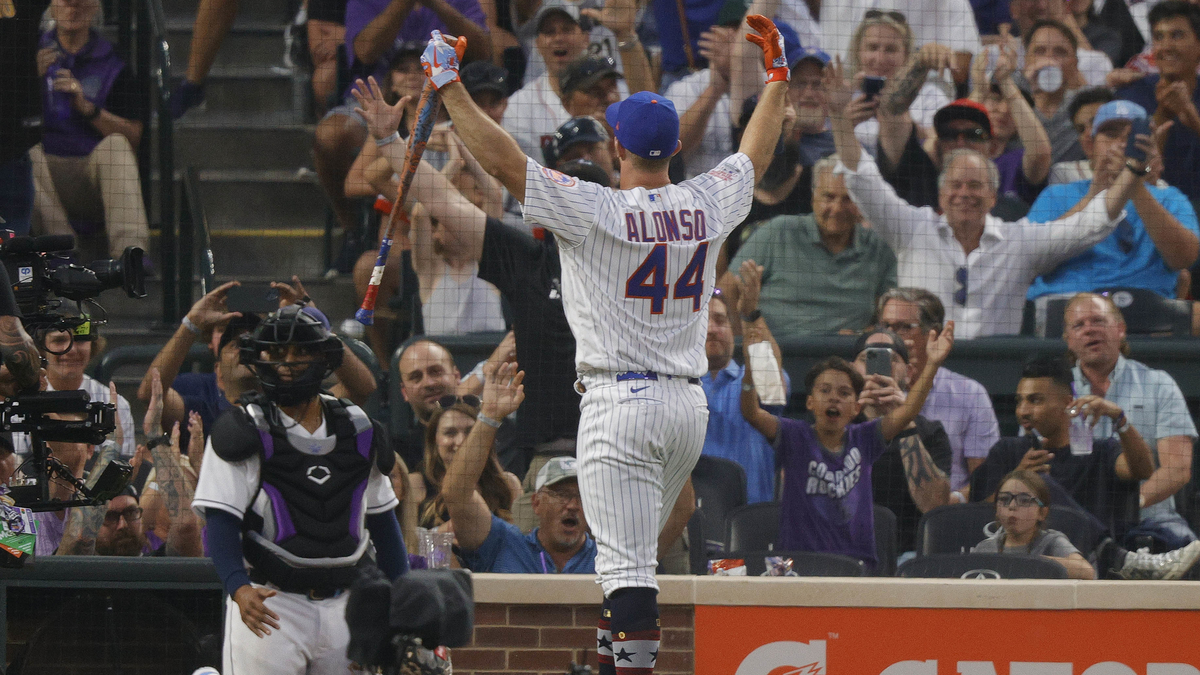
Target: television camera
[[45, 282]]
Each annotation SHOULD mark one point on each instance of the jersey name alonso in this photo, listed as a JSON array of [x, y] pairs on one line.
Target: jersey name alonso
[[639, 265]]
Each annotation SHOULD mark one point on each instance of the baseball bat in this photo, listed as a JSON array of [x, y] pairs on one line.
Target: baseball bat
[[427, 109]]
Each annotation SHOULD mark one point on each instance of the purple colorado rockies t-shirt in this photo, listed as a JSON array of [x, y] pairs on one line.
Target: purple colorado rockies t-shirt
[[827, 503]]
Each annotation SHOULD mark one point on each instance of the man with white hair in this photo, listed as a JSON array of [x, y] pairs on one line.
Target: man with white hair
[[978, 265]]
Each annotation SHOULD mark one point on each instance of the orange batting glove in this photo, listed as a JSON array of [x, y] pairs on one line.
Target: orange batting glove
[[771, 42]]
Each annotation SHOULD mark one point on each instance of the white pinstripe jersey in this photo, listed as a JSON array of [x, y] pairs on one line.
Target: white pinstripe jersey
[[638, 265]]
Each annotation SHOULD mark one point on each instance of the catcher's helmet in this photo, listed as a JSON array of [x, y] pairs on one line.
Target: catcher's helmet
[[263, 351]]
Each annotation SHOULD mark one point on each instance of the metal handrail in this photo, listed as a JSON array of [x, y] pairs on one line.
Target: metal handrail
[[194, 234], [157, 60]]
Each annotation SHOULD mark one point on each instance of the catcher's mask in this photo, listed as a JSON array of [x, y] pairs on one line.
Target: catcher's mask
[[291, 352]]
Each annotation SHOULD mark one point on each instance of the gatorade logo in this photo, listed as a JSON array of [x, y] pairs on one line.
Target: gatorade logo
[[786, 658]]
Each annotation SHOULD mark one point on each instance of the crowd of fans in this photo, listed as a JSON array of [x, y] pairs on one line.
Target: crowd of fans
[[948, 170]]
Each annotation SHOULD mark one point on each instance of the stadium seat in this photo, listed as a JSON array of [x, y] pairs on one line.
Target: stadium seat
[[753, 527], [720, 486], [958, 528], [886, 546], [804, 563], [982, 566], [1145, 312], [955, 528], [1078, 527]]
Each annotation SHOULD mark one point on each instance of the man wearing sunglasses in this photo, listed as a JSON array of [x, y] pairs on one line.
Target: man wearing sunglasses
[[1096, 478], [978, 265]]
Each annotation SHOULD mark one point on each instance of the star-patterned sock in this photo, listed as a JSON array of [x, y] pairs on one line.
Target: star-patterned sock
[[635, 631], [604, 652]]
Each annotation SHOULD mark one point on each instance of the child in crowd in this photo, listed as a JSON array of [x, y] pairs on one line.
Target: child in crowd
[[1022, 506], [827, 501]]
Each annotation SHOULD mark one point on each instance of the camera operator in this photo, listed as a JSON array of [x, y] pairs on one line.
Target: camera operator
[[67, 355]]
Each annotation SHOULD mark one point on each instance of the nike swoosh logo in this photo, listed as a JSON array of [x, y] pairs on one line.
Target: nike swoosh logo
[[635, 390], [435, 61]]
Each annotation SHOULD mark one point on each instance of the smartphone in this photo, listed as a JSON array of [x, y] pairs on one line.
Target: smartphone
[[872, 85], [1132, 151], [879, 361], [254, 298]]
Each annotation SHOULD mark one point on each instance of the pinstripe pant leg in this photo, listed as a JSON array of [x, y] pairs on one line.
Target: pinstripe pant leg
[[635, 456]]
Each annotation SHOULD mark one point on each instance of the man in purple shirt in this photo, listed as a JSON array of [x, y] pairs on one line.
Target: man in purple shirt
[[827, 500], [375, 30], [961, 404]]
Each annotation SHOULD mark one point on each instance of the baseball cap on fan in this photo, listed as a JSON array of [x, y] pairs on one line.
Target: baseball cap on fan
[[646, 124], [556, 470], [480, 76], [1116, 111], [582, 129], [962, 109], [569, 9]]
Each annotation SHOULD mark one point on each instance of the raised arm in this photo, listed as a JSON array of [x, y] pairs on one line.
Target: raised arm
[[620, 16], [496, 151], [840, 91], [204, 317], [1035, 163], [764, 422], [762, 132], [938, 349], [502, 395], [714, 46], [83, 523], [377, 36]]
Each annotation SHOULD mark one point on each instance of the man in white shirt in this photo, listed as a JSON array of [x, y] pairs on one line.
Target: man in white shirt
[[537, 109], [979, 266]]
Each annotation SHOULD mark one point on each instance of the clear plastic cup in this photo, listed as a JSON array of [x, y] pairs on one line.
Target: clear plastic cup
[[434, 546], [1081, 436]]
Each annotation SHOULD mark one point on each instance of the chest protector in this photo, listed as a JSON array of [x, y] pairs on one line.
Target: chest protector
[[306, 525]]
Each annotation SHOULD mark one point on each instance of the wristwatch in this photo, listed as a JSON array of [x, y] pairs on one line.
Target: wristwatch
[[1144, 171], [752, 316]]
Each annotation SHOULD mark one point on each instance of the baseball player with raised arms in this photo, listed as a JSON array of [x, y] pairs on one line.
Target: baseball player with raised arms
[[637, 274]]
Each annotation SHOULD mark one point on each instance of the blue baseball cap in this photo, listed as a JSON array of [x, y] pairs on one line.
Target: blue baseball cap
[[1118, 110], [795, 56], [646, 124]]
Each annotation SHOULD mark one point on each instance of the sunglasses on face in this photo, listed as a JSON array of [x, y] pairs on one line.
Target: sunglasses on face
[[973, 134], [960, 296], [898, 17], [450, 400], [1022, 499]]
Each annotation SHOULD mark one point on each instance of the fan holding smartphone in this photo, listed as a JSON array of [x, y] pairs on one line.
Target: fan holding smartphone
[[882, 50]]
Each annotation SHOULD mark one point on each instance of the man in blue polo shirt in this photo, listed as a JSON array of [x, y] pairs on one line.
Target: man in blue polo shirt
[[559, 545], [1157, 238]]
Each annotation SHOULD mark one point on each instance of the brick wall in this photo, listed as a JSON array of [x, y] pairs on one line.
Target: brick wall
[[516, 639]]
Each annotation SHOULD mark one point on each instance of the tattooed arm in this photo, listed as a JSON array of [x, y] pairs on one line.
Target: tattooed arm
[[902, 88], [177, 492], [22, 363], [83, 522], [928, 485]]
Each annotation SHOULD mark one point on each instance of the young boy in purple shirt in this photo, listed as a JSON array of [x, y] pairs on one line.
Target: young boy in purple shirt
[[827, 501]]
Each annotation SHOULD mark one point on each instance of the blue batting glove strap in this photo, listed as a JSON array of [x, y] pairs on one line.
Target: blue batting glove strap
[[440, 61]]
